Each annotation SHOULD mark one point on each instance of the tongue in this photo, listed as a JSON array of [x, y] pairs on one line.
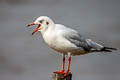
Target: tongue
[[36, 29]]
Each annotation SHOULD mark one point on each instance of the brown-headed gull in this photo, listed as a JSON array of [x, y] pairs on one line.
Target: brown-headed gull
[[66, 40]]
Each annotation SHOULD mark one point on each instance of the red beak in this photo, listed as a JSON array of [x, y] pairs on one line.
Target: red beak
[[36, 29], [30, 24]]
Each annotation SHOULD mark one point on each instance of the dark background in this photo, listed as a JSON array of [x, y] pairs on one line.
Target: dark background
[[27, 57]]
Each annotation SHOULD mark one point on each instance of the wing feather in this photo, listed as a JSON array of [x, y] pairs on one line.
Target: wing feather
[[76, 38]]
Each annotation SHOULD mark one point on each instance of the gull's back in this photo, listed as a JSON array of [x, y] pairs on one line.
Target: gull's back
[[78, 43], [66, 40]]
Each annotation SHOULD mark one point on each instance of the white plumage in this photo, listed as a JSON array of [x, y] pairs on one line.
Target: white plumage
[[66, 40]]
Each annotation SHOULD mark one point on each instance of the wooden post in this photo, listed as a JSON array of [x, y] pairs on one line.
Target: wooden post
[[57, 76]]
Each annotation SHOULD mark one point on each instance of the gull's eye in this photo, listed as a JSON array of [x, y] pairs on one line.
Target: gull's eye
[[47, 23], [41, 21]]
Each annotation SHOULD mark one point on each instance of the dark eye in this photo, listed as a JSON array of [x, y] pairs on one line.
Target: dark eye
[[47, 23], [41, 21]]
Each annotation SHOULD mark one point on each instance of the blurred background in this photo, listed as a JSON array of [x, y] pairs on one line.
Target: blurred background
[[27, 57]]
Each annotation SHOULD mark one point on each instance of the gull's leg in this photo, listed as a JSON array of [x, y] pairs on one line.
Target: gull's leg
[[68, 66], [63, 65]]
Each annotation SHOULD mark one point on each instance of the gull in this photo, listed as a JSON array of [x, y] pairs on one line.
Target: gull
[[66, 40]]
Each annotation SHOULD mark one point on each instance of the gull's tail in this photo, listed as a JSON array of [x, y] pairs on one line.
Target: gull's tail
[[108, 49], [98, 48]]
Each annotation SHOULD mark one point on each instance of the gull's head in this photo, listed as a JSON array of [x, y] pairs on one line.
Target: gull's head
[[43, 23]]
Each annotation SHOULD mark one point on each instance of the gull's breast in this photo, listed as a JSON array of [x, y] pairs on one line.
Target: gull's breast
[[62, 45]]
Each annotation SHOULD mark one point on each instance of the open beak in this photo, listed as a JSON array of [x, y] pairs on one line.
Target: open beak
[[36, 29]]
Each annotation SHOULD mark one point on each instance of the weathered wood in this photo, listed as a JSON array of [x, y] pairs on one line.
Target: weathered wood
[[57, 76]]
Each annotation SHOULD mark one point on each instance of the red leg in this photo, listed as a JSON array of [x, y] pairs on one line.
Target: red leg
[[63, 66], [68, 66]]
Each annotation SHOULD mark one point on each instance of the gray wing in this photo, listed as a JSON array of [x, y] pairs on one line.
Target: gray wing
[[94, 45], [77, 39]]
